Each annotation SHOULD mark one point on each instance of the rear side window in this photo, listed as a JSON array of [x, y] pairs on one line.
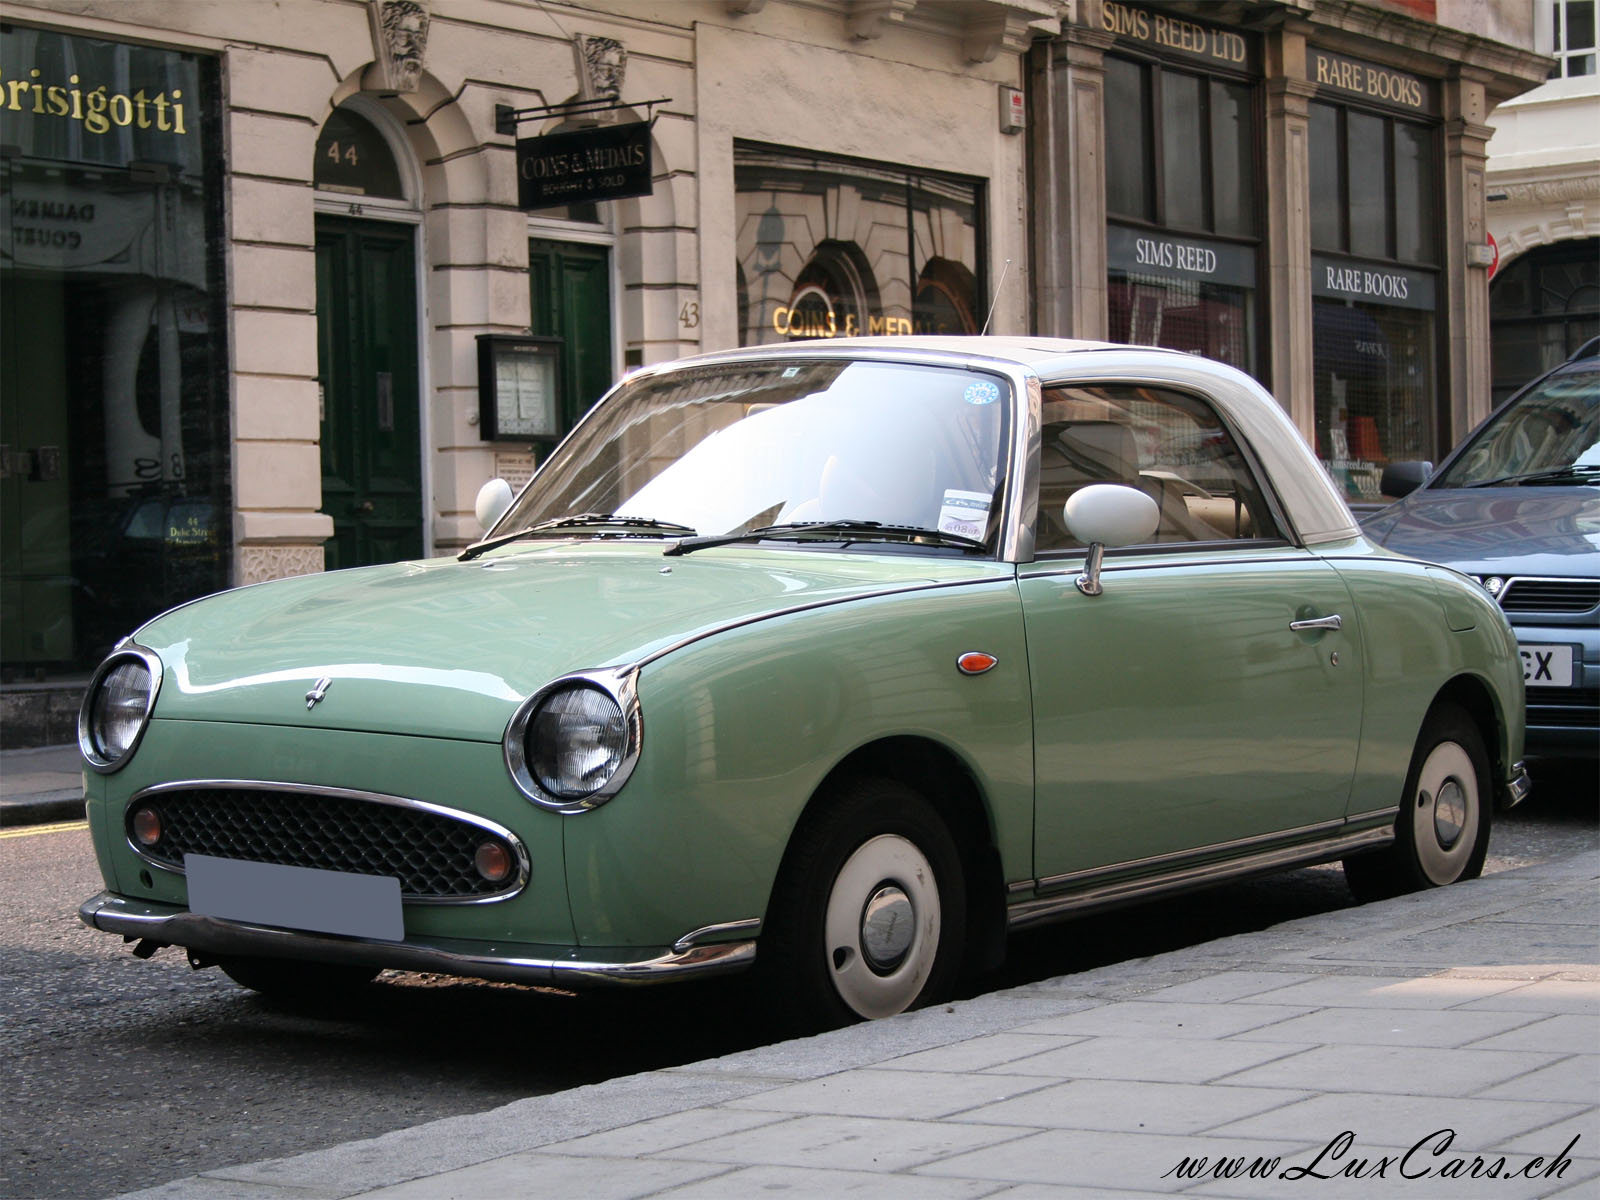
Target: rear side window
[[1169, 444]]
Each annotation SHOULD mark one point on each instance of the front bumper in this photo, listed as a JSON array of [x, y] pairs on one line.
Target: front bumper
[[1517, 787], [168, 925], [1564, 722]]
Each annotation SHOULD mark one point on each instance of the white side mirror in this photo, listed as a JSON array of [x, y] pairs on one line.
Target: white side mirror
[[494, 498], [1108, 514], [1111, 514]]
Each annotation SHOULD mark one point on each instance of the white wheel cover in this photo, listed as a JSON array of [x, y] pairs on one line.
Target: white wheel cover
[[894, 860], [1448, 770]]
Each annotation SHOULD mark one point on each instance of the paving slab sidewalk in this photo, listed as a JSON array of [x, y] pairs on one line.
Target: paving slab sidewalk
[[1444, 1044], [40, 785]]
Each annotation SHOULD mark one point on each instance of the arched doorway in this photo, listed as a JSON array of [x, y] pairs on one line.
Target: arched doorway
[[1542, 307], [368, 363]]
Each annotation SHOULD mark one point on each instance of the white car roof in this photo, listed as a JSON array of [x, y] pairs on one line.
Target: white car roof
[[1313, 505]]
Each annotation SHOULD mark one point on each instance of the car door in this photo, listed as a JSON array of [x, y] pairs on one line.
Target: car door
[[1206, 703]]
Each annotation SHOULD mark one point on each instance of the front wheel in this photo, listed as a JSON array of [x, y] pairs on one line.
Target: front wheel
[[869, 913], [1442, 833]]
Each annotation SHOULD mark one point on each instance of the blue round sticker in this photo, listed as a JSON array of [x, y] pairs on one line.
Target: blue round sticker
[[982, 393]]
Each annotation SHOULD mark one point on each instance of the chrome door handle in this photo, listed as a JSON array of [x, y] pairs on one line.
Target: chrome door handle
[[1333, 622]]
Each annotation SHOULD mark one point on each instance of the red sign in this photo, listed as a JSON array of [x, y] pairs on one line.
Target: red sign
[[1494, 263]]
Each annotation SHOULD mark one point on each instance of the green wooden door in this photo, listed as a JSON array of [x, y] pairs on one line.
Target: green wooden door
[[367, 367], [570, 289]]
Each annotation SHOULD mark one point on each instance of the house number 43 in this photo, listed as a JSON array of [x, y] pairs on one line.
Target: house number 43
[[689, 315]]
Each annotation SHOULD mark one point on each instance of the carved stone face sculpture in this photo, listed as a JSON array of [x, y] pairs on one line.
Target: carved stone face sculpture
[[403, 30], [601, 64]]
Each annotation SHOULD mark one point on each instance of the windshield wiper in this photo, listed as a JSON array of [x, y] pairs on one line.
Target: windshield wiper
[[1579, 472], [831, 531], [576, 521]]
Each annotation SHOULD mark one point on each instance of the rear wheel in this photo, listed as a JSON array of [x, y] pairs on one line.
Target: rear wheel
[[300, 982], [868, 917], [1442, 833]]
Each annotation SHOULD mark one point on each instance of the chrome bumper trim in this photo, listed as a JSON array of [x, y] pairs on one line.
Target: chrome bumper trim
[[1518, 786], [171, 926]]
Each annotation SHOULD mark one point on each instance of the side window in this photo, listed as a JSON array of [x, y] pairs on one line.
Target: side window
[[1168, 444]]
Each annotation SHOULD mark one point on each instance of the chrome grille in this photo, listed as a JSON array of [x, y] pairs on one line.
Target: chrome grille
[[1569, 708], [428, 850], [1551, 595]]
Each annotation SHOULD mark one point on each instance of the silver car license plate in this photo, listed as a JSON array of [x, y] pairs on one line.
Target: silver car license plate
[[366, 906], [1546, 666]]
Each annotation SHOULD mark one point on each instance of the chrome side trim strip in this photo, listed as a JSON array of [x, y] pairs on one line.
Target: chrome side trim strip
[[1158, 861], [1378, 816], [208, 935], [524, 864], [1046, 908]]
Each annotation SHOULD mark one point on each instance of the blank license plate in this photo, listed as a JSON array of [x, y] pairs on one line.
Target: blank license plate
[[295, 897], [1547, 666]]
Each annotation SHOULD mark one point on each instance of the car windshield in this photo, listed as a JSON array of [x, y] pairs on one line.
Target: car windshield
[[1551, 432], [737, 447]]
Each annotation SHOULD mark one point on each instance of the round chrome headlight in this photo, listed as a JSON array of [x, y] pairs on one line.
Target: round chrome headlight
[[571, 746], [116, 708]]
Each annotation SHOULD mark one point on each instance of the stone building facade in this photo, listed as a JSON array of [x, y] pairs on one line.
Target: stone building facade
[[252, 251], [1544, 204], [1294, 186], [274, 297]]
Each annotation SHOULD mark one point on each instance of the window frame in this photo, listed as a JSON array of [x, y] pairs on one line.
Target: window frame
[[1342, 111], [1281, 535]]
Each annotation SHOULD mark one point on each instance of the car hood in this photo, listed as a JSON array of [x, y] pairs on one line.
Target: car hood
[[1497, 530], [449, 649]]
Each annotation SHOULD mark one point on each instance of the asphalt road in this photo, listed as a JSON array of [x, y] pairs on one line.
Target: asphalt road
[[121, 1073]]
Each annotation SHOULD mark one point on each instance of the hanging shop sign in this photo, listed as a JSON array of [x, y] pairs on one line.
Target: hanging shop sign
[[1372, 82], [1371, 283], [1166, 33], [1142, 252], [607, 162]]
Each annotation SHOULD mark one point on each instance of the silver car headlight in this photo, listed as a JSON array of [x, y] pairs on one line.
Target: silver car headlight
[[572, 745], [116, 708]]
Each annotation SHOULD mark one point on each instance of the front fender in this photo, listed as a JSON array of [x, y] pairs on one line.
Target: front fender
[[741, 728]]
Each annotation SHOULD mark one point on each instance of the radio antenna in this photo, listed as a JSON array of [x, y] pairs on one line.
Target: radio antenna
[[996, 299]]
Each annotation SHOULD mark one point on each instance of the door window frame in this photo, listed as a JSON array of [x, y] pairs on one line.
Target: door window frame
[[1281, 536]]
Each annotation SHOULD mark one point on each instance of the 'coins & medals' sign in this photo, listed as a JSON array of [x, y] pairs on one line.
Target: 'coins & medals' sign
[[608, 162]]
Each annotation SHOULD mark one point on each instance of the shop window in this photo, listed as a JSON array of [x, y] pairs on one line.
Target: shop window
[[1180, 149], [1542, 307], [1181, 195], [1374, 233], [833, 247], [1374, 184], [114, 497]]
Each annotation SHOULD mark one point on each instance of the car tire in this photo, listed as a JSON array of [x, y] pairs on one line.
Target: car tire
[[868, 917], [1442, 831], [298, 982]]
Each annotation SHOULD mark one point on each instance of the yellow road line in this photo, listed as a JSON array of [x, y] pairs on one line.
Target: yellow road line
[[32, 830]]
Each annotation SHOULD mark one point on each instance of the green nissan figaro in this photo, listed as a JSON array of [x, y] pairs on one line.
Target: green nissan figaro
[[836, 661]]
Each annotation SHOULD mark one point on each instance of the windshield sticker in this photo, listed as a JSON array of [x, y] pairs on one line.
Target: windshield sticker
[[964, 513], [982, 392], [790, 372]]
